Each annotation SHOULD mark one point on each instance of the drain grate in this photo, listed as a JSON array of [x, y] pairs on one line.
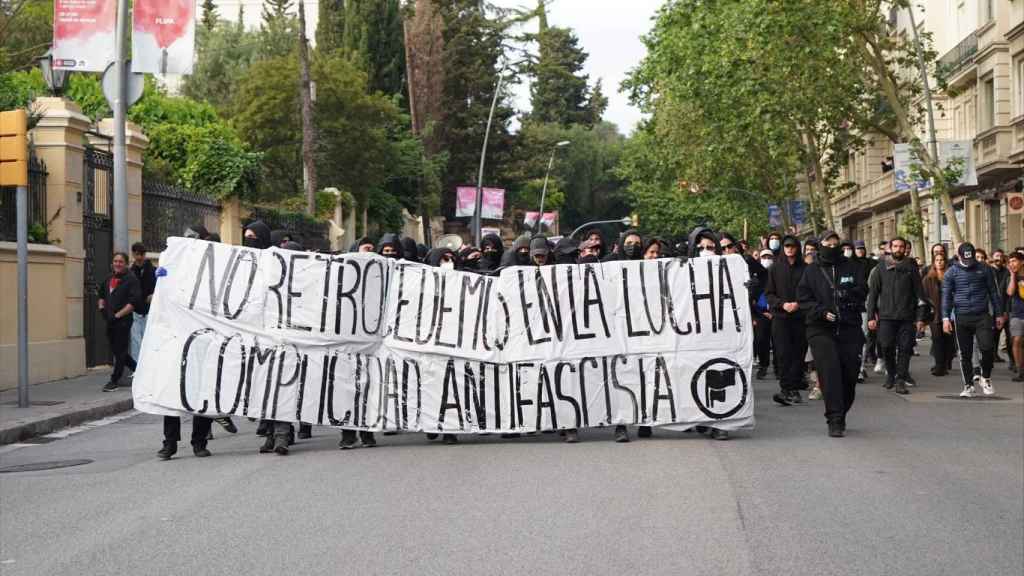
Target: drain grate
[[38, 466], [972, 399], [34, 403]]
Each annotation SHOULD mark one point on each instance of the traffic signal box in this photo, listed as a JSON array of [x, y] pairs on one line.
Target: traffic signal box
[[13, 148]]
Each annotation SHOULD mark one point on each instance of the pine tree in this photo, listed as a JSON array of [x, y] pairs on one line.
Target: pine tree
[[369, 33], [330, 27], [209, 17], [275, 9]]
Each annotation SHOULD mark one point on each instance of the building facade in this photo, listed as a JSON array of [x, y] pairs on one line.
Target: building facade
[[981, 48]]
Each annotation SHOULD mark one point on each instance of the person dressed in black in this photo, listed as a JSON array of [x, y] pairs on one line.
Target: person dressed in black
[[409, 251], [831, 295], [491, 250], [789, 336], [896, 299], [566, 251], [519, 255], [118, 296]]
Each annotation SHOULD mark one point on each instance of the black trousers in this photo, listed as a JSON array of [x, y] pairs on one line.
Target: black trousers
[[943, 347], [966, 328], [119, 334], [789, 338], [200, 429], [837, 358], [763, 341], [897, 338], [872, 351]]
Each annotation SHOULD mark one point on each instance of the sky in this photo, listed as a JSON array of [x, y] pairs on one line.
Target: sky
[[609, 30]]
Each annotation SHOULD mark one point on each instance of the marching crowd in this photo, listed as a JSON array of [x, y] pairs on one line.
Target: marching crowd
[[824, 310]]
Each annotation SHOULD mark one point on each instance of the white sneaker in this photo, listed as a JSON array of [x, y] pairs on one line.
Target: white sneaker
[[880, 367], [968, 391], [814, 394], [986, 385]]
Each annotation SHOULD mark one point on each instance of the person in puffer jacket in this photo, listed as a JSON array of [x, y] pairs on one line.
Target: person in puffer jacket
[[970, 299]]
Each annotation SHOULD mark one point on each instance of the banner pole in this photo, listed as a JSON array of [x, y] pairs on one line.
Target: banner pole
[[120, 215], [22, 207]]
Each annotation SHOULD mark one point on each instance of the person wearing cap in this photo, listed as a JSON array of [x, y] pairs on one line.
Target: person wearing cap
[[763, 321], [831, 294], [970, 298], [566, 251], [491, 249], [390, 246], [540, 251], [896, 298], [788, 330]]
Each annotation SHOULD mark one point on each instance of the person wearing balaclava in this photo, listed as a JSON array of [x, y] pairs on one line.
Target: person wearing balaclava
[[540, 251], [468, 258], [970, 296], [409, 251], [566, 251], [197, 231], [279, 237], [257, 235], [896, 298], [519, 255], [443, 258], [390, 246], [789, 336], [491, 249], [831, 294]]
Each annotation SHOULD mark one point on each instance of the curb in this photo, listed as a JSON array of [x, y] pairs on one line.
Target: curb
[[24, 431]]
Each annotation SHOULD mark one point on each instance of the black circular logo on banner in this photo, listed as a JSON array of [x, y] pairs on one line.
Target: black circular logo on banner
[[719, 388]]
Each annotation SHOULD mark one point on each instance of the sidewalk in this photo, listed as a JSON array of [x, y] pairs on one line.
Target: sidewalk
[[60, 404]]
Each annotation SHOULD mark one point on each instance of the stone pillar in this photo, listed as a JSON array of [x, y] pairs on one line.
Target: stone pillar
[[231, 215], [135, 144], [59, 140]]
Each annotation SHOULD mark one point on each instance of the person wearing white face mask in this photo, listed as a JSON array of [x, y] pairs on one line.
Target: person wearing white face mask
[[767, 258], [763, 322], [774, 243]]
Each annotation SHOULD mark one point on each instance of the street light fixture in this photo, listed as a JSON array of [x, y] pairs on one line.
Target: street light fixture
[[626, 222], [56, 79], [544, 192]]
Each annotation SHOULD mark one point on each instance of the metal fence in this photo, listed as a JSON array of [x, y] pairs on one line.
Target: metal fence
[[312, 234], [36, 205], [169, 210]]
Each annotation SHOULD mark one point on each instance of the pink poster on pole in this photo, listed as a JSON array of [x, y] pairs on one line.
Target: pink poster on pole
[[493, 204], [163, 36], [83, 34]]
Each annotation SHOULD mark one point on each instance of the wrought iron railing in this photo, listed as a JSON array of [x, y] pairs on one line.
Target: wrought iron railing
[[311, 233], [169, 210], [36, 205], [961, 54]]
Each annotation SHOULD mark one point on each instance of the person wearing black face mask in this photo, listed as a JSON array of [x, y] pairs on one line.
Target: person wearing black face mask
[[630, 247], [257, 235], [590, 252], [519, 255], [390, 246], [566, 251], [789, 333], [409, 250], [831, 294], [491, 249]]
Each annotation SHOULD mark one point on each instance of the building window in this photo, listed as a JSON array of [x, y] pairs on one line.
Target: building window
[[1020, 87], [988, 105], [988, 11]]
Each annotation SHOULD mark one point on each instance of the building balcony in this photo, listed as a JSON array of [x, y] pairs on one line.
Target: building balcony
[[958, 59], [1017, 150], [992, 151]]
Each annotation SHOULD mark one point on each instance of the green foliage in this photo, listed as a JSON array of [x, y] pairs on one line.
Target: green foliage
[[369, 33], [279, 32], [223, 56], [19, 89], [560, 92], [26, 30], [209, 15], [87, 91]]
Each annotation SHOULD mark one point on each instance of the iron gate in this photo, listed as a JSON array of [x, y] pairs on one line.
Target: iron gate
[[97, 220], [169, 210]]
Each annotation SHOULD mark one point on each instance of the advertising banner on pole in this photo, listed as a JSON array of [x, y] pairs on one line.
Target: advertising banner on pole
[[957, 153], [360, 341], [83, 34], [494, 203], [163, 36]]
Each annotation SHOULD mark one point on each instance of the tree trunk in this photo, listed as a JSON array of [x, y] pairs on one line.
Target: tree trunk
[[308, 128], [818, 189]]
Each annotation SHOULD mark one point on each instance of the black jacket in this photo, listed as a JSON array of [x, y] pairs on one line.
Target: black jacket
[[127, 292], [146, 274], [783, 279], [837, 287], [895, 291]]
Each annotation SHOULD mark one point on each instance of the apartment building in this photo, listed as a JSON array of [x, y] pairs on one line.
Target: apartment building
[[981, 48]]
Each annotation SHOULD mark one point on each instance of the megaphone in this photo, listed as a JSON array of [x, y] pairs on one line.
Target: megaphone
[[450, 241]]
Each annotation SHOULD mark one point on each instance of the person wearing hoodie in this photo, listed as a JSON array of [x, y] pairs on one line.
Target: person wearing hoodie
[[442, 258], [279, 237], [831, 295], [348, 435], [390, 246], [630, 247], [469, 258], [774, 244], [970, 298], [896, 298], [257, 235], [409, 251], [519, 255], [566, 251], [590, 252], [789, 337], [540, 251], [491, 249]]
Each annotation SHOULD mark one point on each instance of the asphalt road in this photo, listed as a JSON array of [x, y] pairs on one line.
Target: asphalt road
[[920, 485]]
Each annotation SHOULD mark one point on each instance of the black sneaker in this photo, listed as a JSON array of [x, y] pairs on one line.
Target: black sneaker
[[305, 431], [645, 432], [1018, 378], [901, 387], [450, 439], [781, 398], [169, 449], [431, 436], [571, 437], [795, 397], [201, 451], [762, 372], [348, 440], [110, 386], [226, 424], [717, 434], [835, 429], [889, 383], [268, 445], [621, 434], [367, 439], [909, 381]]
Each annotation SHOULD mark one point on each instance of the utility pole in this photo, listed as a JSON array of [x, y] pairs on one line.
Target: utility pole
[[936, 232], [14, 172], [120, 106], [478, 210], [308, 128]]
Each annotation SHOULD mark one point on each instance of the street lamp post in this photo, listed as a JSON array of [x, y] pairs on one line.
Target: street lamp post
[[478, 209], [56, 79], [625, 221], [547, 175]]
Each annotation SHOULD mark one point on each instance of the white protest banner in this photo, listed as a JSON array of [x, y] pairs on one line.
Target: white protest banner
[[359, 341], [83, 34], [163, 36]]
